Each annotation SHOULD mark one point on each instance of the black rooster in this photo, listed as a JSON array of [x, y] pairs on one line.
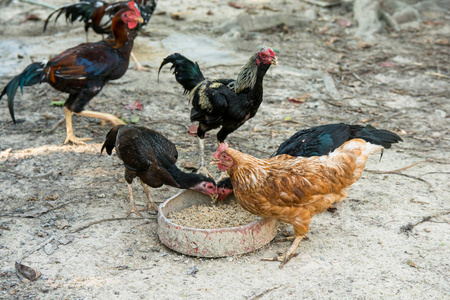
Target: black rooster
[[322, 140], [150, 156], [225, 103], [82, 71], [98, 15]]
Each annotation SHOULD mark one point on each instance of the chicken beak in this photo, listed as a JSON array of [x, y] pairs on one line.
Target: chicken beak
[[140, 20], [274, 61], [214, 161]]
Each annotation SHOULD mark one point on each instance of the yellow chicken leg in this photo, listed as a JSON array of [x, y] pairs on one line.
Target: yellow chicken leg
[[137, 66], [289, 254], [150, 203], [103, 116], [70, 135], [133, 208]]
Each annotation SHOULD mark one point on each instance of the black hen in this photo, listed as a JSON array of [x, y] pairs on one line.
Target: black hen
[[150, 156], [225, 103], [322, 140]]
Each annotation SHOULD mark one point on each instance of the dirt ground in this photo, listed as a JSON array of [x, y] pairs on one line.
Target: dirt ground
[[398, 81]]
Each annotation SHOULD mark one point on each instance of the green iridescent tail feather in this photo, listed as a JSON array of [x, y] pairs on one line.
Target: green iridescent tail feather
[[32, 75]]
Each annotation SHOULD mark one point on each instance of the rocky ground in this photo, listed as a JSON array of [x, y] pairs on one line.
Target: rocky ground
[[62, 207]]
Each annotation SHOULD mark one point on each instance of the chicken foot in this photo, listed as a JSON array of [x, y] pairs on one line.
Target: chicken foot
[[289, 254], [202, 167], [138, 65], [150, 203], [69, 130]]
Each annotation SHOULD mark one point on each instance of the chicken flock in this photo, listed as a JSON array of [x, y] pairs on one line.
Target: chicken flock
[[309, 173]]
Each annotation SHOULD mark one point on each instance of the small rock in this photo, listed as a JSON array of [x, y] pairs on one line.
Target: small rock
[[62, 223], [50, 248], [192, 271], [64, 240]]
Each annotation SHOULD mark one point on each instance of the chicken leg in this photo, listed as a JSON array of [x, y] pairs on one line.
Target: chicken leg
[[202, 167], [86, 113], [103, 116], [137, 66], [69, 130], [150, 203], [289, 254], [133, 208]]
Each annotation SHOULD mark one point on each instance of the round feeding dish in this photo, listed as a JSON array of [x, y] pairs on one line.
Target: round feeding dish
[[216, 242]]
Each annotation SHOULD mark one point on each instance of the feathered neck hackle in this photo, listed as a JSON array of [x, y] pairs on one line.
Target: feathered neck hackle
[[248, 74], [120, 32], [247, 171]]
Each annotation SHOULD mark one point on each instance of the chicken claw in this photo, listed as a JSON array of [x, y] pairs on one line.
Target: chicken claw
[[290, 254], [71, 138], [135, 210]]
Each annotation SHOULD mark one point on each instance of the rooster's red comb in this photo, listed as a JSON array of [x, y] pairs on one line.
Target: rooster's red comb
[[132, 5]]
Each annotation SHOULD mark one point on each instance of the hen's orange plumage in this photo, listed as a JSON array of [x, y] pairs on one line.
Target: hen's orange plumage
[[293, 189]]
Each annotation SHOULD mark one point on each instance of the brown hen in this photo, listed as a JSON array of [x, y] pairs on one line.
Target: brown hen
[[293, 189]]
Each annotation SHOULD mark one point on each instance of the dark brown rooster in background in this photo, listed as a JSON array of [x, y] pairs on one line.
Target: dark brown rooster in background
[[150, 156], [294, 189], [322, 140], [82, 71], [225, 103], [98, 15]]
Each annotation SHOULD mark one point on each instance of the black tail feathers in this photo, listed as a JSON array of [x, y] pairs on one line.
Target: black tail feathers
[[32, 75], [81, 11], [187, 73], [375, 136], [110, 141]]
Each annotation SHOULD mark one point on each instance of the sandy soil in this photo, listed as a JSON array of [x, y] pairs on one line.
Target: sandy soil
[[399, 82]]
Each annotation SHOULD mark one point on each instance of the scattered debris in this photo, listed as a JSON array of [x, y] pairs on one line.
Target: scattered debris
[[410, 226], [28, 272], [236, 5], [50, 248], [192, 271], [34, 213], [411, 264], [136, 105], [299, 100], [61, 224]]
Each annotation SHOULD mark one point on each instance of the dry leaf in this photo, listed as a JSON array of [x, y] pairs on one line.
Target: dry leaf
[[298, 100], [387, 64], [31, 17], [442, 42], [332, 40], [27, 272], [344, 22], [434, 23], [136, 105], [236, 5], [364, 45], [192, 130], [176, 16]]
